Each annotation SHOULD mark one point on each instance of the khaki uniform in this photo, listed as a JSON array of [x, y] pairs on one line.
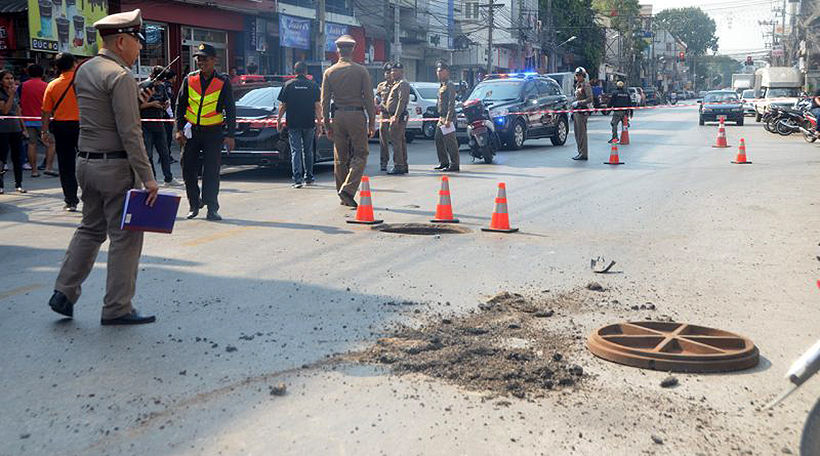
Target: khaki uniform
[[109, 122], [383, 90], [583, 98], [348, 85], [447, 146], [397, 106]]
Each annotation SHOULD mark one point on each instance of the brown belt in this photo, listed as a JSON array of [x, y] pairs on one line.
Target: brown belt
[[102, 155], [349, 108]]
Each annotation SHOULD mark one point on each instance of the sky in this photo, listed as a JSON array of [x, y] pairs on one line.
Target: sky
[[737, 20]]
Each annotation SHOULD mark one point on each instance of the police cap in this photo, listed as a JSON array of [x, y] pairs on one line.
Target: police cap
[[205, 50], [442, 66], [387, 67], [398, 66], [129, 22], [345, 41]]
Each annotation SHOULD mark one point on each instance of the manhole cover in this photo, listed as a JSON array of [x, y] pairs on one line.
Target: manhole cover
[[678, 347], [423, 229]]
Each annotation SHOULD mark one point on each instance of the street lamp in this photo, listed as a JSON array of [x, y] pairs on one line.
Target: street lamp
[[570, 39]]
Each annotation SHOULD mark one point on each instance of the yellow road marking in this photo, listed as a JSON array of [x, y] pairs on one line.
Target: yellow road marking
[[216, 236], [18, 290]]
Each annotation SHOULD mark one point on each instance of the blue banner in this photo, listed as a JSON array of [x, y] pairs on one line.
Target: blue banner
[[332, 32], [294, 32]]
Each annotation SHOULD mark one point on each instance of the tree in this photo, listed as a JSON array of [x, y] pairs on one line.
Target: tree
[[624, 18], [576, 18], [715, 71], [691, 26]]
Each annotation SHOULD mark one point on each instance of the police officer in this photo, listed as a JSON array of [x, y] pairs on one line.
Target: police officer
[[347, 84], [205, 102], [397, 109], [446, 145], [619, 99], [111, 160], [382, 92], [583, 100]]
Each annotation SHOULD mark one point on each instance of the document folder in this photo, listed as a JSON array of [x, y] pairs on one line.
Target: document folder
[[137, 216]]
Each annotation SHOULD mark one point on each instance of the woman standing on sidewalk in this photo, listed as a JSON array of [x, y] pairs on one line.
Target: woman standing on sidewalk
[[11, 130]]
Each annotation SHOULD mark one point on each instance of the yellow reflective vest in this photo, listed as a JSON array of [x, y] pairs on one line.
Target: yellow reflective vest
[[202, 106]]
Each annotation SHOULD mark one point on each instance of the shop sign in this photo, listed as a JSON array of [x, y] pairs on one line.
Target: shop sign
[[294, 32], [65, 25], [6, 34], [332, 33]]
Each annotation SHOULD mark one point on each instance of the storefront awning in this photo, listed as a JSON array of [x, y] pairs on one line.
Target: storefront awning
[[13, 6]]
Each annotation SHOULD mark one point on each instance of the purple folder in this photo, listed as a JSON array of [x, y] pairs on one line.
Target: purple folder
[[137, 216]]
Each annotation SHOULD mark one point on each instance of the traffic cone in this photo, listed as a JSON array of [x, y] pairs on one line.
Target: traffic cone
[[624, 141], [444, 209], [501, 219], [613, 155], [364, 213], [741, 154], [721, 143]]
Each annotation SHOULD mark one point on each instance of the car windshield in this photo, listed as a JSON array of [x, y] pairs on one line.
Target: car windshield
[[748, 94], [498, 90], [428, 93], [720, 98], [264, 97], [782, 92]]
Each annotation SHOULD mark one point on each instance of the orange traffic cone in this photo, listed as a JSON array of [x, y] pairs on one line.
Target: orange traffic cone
[[741, 154], [721, 143], [501, 219], [613, 155], [364, 213], [444, 209], [624, 141]]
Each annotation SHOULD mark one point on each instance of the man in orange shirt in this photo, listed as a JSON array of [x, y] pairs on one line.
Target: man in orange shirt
[[60, 113]]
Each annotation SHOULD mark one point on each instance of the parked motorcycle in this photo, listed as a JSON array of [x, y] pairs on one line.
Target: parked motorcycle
[[809, 128], [483, 139]]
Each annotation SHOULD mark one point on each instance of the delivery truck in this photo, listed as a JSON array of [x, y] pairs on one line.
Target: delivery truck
[[776, 86]]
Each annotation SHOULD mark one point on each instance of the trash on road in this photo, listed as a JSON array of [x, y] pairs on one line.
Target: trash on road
[[600, 265]]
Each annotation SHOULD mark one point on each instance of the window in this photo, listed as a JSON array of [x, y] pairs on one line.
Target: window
[[471, 10], [555, 89], [543, 89], [193, 37], [155, 50]]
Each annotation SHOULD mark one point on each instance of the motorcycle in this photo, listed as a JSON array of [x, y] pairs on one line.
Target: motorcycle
[[673, 98], [483, 138], [809, 127], [788, 122]]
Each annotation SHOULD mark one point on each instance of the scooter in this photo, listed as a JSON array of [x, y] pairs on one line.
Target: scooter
[[483, 139]]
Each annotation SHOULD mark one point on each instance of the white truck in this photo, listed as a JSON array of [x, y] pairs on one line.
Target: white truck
[[741, 82], [776, 86]]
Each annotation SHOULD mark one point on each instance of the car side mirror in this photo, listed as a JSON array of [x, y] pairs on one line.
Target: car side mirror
[[413, 97]]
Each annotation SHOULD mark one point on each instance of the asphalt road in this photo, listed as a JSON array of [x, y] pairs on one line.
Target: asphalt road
[[286, 282]]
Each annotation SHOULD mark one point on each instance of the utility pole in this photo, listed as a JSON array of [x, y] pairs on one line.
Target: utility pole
[[320, 46], [551, 67], [491, 19], [396, 51]]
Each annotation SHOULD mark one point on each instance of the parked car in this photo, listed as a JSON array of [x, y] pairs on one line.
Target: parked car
[[426, 94], [517, 103], [702, 94], [747, 98], [720, 103], [651, 96], [414, 114], [258, 142], [637, 96]]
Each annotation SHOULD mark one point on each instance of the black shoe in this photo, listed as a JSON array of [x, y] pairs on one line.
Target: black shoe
[[384, 168], [348, 200], [441, 167], [310, 181], [133, 318], [395, 172], [192, 213], [60, 304], [579, 157], [451, 169], [213, 215]]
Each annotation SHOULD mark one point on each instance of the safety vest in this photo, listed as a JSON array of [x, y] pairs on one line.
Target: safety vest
[[202, 107]]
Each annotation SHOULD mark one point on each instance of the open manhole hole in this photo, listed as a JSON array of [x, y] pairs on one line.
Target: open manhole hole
[[421, 229], [678, 347]]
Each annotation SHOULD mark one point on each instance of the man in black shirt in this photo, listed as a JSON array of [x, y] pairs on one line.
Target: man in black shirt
[[300, 98], [154, 133], [205, 109], [619, 99]]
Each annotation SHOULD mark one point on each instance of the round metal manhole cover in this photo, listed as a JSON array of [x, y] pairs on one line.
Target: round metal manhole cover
[[677, 347], [421, 229]]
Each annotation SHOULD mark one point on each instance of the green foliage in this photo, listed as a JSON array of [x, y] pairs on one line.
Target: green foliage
[[576, 17], [715, 71], [691, 26], [621, 13]]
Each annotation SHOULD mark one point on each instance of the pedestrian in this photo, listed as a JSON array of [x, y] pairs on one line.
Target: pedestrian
[[619, 99], [446, 145], [11, 131], [61, 117], [111, 161], [205, 107], [299, 98], [583, 100], [382, 92], [31, 102], [347, 84], [153, 132], [397, 110]]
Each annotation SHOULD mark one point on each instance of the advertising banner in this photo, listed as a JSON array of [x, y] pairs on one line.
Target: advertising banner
[[65, 25], [294, 32], [332, 32], [6, 34]]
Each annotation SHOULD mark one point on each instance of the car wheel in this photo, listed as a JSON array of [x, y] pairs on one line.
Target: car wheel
[[701, 121], [517, 135], [429, 130], [561, 133]]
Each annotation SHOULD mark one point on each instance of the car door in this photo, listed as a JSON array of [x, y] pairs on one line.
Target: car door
[[540, 120], [555, 100], [529, 95]]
